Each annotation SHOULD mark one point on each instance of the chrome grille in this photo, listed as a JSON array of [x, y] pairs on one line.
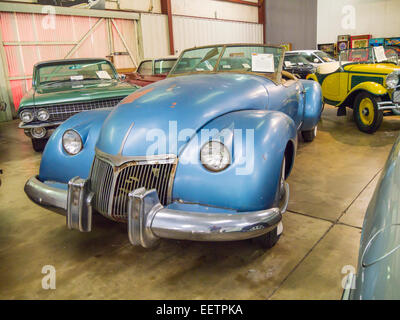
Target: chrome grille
[[112, 185], [101, 180], [61, 112]]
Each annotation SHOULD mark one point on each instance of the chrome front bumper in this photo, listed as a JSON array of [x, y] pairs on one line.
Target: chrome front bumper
[[388, 105], [148, 220], [23, 125]]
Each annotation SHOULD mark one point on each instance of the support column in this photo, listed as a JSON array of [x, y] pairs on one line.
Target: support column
[[167, 9]]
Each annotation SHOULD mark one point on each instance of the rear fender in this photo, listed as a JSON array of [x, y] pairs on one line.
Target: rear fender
[[313, 104], [59, 166], [312, 76]]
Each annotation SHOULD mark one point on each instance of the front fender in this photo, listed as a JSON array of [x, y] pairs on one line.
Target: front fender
[[371, 87], [257, 141], [56, 164]]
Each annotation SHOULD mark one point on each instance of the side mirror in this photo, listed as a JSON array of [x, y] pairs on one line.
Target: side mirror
[[122, 76], [316, 60]]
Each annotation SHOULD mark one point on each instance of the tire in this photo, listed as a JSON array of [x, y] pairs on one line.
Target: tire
[[268, 240], [39, 144], [309, 135], [366, 114]]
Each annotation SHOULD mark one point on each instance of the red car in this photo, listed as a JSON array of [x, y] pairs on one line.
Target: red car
[[150, 71]]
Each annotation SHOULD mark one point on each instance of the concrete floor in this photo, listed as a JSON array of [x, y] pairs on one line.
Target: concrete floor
[[331, 184]]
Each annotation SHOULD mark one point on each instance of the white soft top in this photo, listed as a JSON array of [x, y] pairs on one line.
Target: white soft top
[[329, 67]]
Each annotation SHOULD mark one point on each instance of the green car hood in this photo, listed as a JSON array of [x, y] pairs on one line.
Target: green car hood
[[72, 92]]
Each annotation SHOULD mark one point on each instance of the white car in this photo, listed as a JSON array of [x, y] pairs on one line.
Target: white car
[[315, 57]]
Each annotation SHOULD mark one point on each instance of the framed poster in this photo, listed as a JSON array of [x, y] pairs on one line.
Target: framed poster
[[343, 42], [361, 41], [394, 43], [377, 42], [328, 48], [343, 37]]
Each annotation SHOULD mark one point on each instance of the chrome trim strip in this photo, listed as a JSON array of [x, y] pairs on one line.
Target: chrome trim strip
[[125, 138], [46, 196]]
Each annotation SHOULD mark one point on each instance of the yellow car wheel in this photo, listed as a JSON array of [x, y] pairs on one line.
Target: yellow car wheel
[[366, 114]]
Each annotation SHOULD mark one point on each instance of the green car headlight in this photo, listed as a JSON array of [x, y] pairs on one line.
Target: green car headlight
[[26, 116], [392, 80], [72, 142], [215, 156], [42, 115]]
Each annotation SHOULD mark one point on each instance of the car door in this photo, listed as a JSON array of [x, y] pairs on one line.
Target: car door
[[334, 87]]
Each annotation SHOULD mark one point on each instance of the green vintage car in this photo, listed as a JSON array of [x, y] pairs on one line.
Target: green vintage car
[[62, 88]]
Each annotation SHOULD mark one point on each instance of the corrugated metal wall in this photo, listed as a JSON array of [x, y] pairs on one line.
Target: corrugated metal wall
[[27, 41], [154, 35], [190, 32]]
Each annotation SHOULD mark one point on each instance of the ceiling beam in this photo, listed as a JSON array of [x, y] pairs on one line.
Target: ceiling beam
[[247, 3], [37, 8]]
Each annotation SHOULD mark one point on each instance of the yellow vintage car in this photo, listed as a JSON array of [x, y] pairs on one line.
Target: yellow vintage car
[[366, 80]]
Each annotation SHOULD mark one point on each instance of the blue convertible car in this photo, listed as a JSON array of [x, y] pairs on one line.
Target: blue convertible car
[[202, 155]]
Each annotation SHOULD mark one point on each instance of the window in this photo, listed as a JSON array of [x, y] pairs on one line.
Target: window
[[163, 66], [146, 68]]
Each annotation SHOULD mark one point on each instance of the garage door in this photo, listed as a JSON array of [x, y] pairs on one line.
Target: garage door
[[28, 38]]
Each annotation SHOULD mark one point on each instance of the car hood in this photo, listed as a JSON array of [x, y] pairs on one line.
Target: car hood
[[383, 68], [70, 92], [178, 104]]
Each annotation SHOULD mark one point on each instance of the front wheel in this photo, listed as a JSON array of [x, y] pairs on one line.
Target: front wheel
[[310, 135], [366, 114], [39, 144], [269, 239]]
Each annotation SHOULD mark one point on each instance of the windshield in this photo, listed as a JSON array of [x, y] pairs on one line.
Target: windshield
[[368, 55], [324, 56], [163, 66], [295, 59], [69, 72], [258, 59]]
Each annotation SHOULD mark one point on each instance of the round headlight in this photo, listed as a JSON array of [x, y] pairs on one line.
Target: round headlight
[[392, 80], [42, 115], [215, 156], [72, 142], [26, 116]]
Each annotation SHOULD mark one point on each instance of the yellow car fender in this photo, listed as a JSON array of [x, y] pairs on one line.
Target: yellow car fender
[[372, 87], [312, 76]]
